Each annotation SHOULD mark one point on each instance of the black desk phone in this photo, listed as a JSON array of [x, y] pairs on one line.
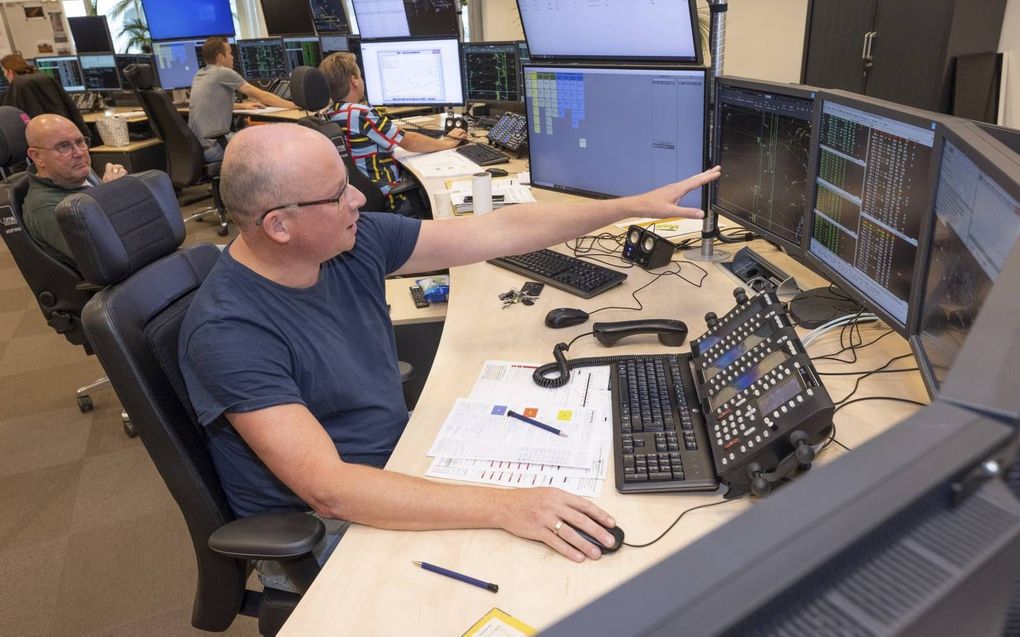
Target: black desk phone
[[746, 401], [510, 132]]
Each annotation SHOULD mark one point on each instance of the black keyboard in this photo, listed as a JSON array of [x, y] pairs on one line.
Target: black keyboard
[[434, 133], [482, 154], [659, 435], [562, 272]]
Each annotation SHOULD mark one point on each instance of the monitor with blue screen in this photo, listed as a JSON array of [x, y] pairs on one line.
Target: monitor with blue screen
[[587, 135], [183, 19], [176, 62]]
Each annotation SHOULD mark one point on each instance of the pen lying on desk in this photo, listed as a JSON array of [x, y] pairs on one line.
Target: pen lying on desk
[[531, 421], [457, 576]]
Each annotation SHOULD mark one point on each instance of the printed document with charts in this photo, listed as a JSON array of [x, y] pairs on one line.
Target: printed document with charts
[[479, 443]]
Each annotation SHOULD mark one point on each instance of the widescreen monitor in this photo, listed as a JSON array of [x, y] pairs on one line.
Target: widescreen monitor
[[762, 140], [870, 198], [262, 59], [406, 18], [413, 72], [183, 19], [123, 61], [176, 62], [302, 51], [975, 226], [330, 17], [615, 131], [64, 69], [99, 72], [611, 29], [91, 34], [332, 44], [287, 17], [491, 72]]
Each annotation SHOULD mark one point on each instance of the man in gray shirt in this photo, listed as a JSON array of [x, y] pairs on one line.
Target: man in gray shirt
[[212, 96]]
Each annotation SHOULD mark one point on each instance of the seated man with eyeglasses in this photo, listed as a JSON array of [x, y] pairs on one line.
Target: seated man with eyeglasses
[[61, 166]]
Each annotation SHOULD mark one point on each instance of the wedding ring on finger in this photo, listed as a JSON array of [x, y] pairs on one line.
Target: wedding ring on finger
[[556, 529]]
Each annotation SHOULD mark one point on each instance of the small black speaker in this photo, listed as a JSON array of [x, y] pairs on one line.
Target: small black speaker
[[647, 249]]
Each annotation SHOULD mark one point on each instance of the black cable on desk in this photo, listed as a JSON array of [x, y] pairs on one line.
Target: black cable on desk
[[682, 514], [889, 398], [857, 384]]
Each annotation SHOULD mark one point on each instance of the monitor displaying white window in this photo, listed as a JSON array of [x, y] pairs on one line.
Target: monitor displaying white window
[[413, 72]]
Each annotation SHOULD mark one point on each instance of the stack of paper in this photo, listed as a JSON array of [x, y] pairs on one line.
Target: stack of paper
[[505, 191], [478, 442]]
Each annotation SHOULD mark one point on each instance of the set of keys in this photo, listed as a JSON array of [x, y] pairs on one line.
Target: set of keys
[[516, 296]]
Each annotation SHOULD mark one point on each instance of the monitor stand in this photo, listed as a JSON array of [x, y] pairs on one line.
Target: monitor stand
[[814, 308]]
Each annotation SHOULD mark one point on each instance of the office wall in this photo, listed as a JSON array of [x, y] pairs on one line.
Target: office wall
[[500, 21], [1009, 43], [765, 39]]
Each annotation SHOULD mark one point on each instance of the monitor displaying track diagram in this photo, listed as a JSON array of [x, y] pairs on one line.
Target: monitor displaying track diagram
[[406, 18], [330, 17], [302, 51], [491, 71], [262, 59], [413, 72]]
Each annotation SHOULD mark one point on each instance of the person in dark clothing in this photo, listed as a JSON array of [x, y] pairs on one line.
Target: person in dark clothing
[[37, 93]]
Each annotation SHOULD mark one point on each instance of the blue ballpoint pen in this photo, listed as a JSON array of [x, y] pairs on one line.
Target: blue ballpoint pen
[[531, 421], [457, 576]]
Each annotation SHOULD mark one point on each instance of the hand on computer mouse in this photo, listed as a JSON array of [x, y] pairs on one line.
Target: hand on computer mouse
[[555, 517]]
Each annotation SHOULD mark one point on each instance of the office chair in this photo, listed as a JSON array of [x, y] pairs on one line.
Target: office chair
[[37, 93], [134, 322], [59, 290], [310, 91], [185, 161]]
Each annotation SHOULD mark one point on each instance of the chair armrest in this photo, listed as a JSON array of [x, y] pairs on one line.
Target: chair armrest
[[404, 186], [85, 286], [272, 536]]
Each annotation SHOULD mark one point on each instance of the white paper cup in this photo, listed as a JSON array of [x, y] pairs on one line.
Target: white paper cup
[[481, 193], [444, 205]]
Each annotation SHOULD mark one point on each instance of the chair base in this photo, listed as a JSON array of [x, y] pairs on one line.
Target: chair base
[[83, 394], [222, 217]]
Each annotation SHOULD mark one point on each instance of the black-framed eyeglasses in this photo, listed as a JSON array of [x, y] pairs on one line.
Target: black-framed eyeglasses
[[304, 204], [66, 148]]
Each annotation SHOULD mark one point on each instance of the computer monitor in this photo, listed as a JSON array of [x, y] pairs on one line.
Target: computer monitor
[[91, 34], [183, 19], [891, 539], [413, 72], [584, 136], [330, 17], [406, 18], [332, 44], [99, 72], [869, 198], [762, 140], [176, 62], [491, 71], [123, 61], [262, 59], [975, 226], [303, 51], [287, 17], [64, 69], [233, 49], [611, 29]]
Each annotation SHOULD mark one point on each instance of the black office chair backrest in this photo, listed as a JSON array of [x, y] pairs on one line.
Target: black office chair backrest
[[37, 93], [310, 91], [125, 235], [13, 146], [184, 156]]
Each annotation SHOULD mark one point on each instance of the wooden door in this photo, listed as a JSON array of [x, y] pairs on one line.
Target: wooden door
[[834, 42]]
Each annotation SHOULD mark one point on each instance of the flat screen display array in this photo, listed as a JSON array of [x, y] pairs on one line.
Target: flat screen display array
[[91, 34], [64, 69], [183, 19], [870, 203], [302, 51], [586, 135], [635, 29], [763, 143], [329, 17], [99, 72], [413, 72], [176, 62], [976, 225], [406, 18], [262, 59], [288, 17], [491, 71]]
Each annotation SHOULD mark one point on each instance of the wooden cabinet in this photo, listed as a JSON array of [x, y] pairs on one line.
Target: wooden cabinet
[[898, 50]]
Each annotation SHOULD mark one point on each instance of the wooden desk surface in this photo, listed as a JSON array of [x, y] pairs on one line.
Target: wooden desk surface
[[370, 587], [91, 118]]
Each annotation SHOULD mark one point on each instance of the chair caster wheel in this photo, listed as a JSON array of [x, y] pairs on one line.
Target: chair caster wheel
[[84, 404], [129, 428], [222, 231]]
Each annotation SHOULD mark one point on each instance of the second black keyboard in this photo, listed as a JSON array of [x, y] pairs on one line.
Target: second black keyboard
[[566, 273], [482, 154]]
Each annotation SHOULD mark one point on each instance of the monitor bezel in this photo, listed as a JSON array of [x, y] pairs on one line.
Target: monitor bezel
[[182, 37], [35, 63], [283, 34], [697, 60], [787, 90], [81, 19], [120, 80], [457, 34], [283, 50], [882, 108], [610, 66], [517, 61], [347, 19], [994, 159], [460, 65]]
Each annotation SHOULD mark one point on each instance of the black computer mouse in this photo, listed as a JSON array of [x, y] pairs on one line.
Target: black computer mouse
[[565, 317], [616, 531], [497, 172]]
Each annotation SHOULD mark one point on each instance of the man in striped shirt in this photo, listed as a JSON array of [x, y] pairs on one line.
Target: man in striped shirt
[[370, 135]]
